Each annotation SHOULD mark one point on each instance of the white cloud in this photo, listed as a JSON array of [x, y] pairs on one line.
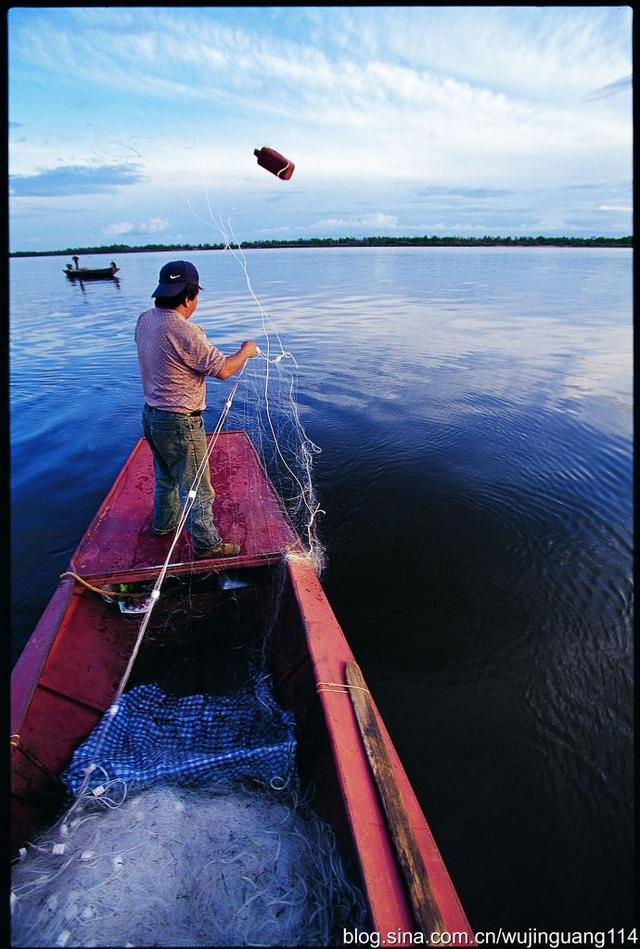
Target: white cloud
[[613, 88], [366, 221], [394, 59], [491, 97], [529, 52], [115, 230], [155, 226]]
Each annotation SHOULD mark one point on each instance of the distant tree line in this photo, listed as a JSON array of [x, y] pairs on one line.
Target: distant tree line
[[434, 241], [486, 241]]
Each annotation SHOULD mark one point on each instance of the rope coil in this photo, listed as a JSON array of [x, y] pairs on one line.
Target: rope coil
[[341, 687], [100, 590]]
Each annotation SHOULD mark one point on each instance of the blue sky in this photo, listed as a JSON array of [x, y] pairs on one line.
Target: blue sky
[[138, 125]]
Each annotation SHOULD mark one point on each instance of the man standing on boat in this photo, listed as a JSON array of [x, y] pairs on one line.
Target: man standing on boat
[[174, 357]]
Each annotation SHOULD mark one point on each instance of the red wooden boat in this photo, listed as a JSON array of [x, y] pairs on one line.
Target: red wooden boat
[[71, 667]]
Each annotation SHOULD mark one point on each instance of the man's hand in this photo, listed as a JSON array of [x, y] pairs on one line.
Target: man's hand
[[235, 363], [249, 348]]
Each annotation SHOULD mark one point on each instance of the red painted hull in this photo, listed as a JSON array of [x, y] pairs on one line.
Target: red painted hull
[[69, 670]]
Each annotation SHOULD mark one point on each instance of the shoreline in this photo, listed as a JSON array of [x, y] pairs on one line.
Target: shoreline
[[329, 242]]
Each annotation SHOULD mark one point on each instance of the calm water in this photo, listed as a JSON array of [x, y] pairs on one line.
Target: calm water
[[473, 407]]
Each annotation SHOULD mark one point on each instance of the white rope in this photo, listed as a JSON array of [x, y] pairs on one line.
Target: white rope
[[307, 446], [189, 502], [81, 793]]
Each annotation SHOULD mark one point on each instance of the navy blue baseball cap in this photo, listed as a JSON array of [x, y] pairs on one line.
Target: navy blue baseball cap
[[174, 277]]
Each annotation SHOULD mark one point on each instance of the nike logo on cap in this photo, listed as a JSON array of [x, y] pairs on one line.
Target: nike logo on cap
[[174, 276]]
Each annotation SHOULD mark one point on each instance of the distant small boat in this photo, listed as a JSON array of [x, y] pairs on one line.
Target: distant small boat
[[91, 273]]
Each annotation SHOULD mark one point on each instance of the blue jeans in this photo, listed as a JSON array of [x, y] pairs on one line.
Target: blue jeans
[[178, 444]]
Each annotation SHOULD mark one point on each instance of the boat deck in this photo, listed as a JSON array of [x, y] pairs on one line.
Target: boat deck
[[247, 511]]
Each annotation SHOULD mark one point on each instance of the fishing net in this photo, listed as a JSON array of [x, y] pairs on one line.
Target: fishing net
[[266, 404], [266, 407], [187, 829], [174, 866]]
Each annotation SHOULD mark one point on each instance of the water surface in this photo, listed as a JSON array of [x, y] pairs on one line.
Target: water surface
[[473, 407]]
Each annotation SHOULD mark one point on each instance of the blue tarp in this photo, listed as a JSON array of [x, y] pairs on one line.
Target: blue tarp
[[200, 740]]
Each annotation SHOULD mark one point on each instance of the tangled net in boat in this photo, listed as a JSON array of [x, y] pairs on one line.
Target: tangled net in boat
[[174, 866]]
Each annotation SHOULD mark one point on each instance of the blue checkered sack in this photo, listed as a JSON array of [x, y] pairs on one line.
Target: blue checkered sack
[[200, 740]]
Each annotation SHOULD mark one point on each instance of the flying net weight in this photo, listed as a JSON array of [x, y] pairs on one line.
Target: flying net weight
[[274, 162]]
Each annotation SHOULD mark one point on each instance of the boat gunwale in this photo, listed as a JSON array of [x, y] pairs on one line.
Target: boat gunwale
[[29, 666], [386, 898]]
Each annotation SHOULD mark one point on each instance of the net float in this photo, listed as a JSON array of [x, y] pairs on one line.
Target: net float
[[274, 162]]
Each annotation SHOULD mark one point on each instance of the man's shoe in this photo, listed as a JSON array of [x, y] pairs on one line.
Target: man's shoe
[[220, 550]]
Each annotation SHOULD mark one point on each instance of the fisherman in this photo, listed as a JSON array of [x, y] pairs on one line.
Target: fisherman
[[76, 260], [175, 356]]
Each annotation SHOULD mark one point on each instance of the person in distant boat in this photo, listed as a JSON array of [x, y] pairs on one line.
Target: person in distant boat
[[76, 260], [174, 357]]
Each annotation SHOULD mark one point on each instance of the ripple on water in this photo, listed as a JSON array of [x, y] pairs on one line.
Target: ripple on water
[[476, 473]]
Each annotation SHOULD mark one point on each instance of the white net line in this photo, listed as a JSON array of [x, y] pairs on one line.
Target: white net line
[[267, 409]]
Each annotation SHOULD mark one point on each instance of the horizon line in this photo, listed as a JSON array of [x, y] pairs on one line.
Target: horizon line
[[314, 241]]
